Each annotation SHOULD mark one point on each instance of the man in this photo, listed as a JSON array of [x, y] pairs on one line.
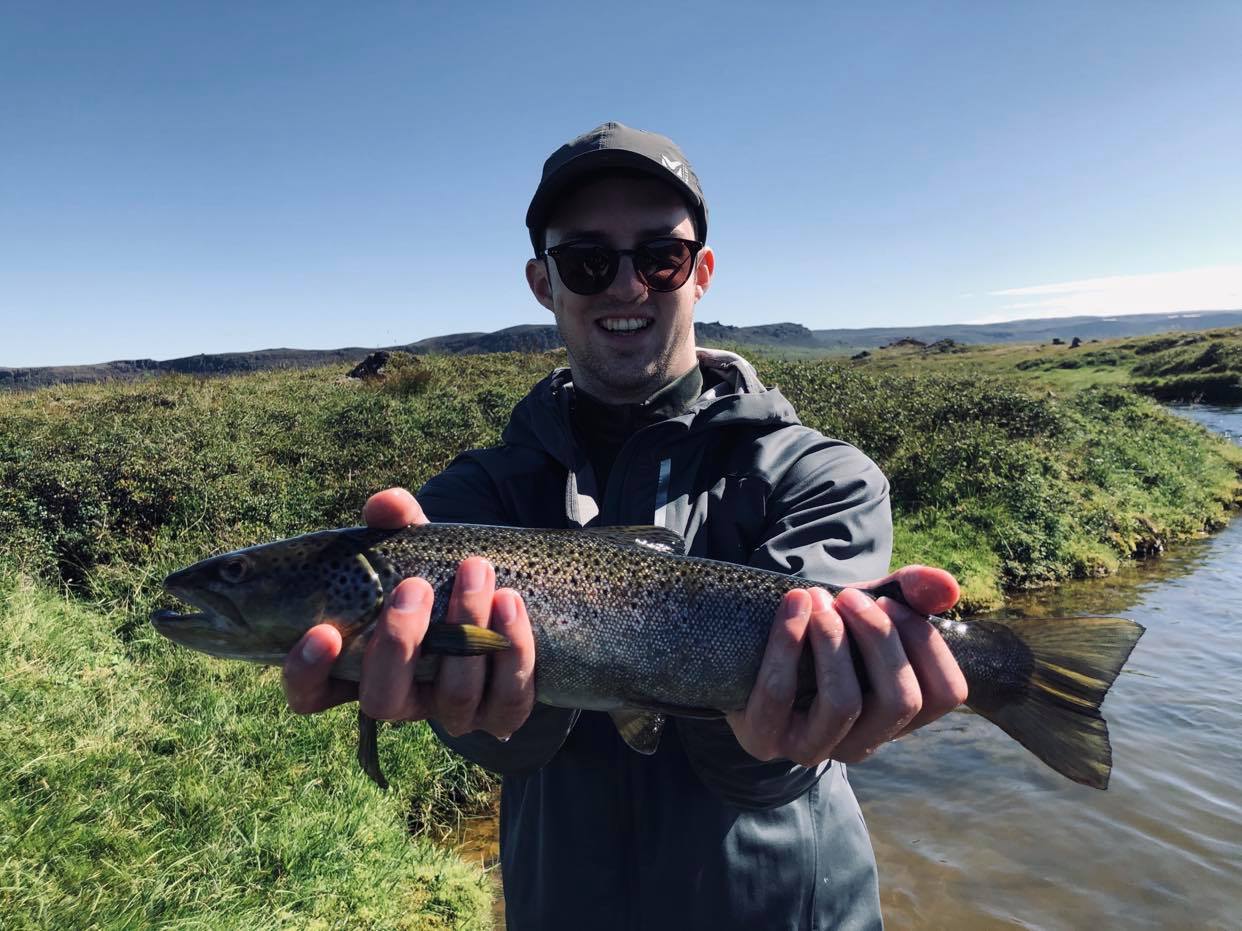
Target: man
[[743, 822]]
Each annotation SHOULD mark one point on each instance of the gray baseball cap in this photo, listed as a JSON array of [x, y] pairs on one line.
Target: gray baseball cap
[[614, 145]]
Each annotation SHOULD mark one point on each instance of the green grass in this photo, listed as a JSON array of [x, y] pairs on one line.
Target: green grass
[[151, 785], [146, 787], [1187, 367]]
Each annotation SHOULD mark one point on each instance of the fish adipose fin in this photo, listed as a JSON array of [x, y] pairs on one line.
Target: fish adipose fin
[[659, 539], [1041, 681], [640, 729]]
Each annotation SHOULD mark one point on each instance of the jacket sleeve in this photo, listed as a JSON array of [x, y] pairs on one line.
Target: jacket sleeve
[[828, 520], [465, 493]]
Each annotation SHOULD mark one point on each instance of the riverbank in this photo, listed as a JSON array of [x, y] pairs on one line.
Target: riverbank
[[149, 781]]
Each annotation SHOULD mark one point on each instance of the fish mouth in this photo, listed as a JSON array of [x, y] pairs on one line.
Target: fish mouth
[[213, 634], [211, 605], [164, 617]]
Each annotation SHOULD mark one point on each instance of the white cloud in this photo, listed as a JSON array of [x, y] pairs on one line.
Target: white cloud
[[1215, 288]]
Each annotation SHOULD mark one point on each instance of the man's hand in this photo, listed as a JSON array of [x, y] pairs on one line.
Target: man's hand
[[913, 677], [464, 696]]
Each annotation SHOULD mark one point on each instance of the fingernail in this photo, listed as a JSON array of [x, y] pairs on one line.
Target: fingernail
[[406, 597], [819, 599], [853, 599], [793, 605], [473, 576], [506, 608], [314, 650]]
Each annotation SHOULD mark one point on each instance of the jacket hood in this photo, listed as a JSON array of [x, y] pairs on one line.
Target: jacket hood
[[542, 419]]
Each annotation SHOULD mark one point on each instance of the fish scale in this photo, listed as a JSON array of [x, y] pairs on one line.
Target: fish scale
[[656, 637], [624, 622]]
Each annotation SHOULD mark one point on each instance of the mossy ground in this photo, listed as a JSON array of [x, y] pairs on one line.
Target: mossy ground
[[149, 785]]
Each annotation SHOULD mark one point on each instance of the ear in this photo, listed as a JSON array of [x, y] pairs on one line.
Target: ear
[[537, 279], [704, 271]]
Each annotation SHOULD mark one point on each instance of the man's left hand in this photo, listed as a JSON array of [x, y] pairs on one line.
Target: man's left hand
[[913, 677]]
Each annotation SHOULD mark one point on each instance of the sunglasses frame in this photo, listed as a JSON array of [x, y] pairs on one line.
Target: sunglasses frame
[[695, 246]]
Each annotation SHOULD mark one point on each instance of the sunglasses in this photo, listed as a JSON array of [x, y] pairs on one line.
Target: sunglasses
[[661, 264]]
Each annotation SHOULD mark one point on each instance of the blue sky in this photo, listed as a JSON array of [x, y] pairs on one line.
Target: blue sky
[[181, 177]]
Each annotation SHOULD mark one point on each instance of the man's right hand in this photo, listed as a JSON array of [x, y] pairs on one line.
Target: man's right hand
[[467, 694]]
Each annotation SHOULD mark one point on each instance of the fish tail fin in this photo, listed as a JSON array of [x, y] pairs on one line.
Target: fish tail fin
[[462, 640], [1044, 684]]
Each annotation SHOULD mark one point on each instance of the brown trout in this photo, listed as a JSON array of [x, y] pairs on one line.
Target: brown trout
[[625, 623]]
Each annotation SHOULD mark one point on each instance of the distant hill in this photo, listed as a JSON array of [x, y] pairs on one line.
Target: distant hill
[[784, 337], [1042, 330]]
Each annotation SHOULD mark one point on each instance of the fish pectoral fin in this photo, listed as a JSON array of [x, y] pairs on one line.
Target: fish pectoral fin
[[640, 729], [658, 539], [462, 640], [368, 749]]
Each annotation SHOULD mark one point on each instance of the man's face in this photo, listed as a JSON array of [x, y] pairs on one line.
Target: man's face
[[623, 366]]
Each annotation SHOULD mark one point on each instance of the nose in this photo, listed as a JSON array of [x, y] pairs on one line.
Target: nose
[[627, 285]]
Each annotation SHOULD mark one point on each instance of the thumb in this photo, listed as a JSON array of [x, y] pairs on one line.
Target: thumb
[[307, 672], [925, 589]]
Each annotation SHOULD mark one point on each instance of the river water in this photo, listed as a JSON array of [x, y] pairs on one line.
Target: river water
[[971, 832]]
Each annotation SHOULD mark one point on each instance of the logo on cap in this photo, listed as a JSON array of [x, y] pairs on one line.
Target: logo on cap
[[676, 168]]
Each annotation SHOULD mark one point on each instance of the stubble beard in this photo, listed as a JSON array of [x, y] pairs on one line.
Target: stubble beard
[[621, 379]]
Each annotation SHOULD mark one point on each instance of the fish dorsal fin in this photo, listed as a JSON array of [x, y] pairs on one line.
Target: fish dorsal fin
[[656, 539], [640, 729]]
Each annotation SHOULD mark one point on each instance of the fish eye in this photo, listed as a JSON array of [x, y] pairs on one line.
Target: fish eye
[[233, 570]]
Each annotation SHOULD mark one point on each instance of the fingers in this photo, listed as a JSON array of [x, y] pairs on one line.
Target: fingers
[[895, 697], [941, 682], [307, 672], [838, 698], [511, 686], [392, 509], [761, 727], [388, 691], [459, 684]]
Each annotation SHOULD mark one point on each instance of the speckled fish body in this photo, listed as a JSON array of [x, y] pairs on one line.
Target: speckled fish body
[[623, 622]]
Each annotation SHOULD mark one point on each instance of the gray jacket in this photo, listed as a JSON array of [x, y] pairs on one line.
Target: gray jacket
[[700, 834]]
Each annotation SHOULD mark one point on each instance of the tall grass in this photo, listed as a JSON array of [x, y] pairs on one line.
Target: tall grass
[[161, 790]]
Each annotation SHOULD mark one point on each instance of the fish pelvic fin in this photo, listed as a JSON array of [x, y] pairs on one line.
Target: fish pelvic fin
[[640, 729], [1047, 689], [443, 639], [368, 749]]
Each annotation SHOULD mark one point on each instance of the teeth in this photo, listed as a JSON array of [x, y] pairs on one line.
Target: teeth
[[623, 324]]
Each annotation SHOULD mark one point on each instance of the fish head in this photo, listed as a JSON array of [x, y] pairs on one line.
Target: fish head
[[256, 603]]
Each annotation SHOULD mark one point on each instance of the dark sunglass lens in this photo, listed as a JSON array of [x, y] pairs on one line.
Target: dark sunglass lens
[[664, 263], [586, 269]]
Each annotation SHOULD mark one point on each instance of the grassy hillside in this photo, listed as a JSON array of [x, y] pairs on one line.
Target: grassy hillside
[[1188, 367], [151, 784]]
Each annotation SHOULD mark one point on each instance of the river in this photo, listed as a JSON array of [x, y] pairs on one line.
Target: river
[[971, 832]]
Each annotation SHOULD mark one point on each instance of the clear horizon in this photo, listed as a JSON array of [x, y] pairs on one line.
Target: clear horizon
[[189, 178]]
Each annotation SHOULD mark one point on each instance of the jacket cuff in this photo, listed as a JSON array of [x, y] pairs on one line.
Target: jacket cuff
[[733, 774], [530, 747]]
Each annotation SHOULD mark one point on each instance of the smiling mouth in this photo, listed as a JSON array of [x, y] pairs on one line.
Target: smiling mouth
[[624, 325]]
